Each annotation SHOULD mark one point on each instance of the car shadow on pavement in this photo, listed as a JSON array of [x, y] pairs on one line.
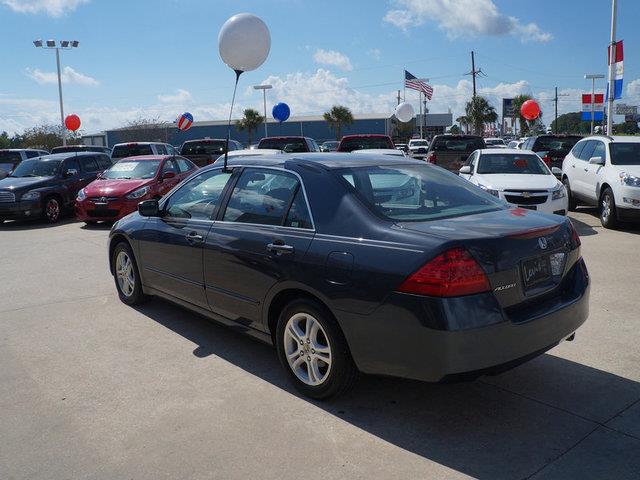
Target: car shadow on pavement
[[102, 226], [509, 426], [584, 229], [34, 224]]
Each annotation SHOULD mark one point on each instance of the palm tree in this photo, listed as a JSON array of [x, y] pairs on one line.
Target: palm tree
[[478, 112], [464, 123], [338, 116], [249, 122]]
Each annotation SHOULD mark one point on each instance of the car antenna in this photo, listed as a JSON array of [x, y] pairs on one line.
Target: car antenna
[[233, 99]]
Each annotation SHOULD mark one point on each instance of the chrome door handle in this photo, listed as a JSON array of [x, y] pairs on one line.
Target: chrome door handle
[[280, 249], [193, 237]]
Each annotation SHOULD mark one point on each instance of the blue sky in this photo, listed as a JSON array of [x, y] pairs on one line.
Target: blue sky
[[157, 58]]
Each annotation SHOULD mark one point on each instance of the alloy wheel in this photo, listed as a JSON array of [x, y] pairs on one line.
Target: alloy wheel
[[124, 274], [605, 208], [307, 349], [52, 210]]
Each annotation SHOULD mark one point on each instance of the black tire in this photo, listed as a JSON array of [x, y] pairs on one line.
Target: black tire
[[52, 209], [91, 223], [342, 373], [135, 295], [607, 209], [570, 198]]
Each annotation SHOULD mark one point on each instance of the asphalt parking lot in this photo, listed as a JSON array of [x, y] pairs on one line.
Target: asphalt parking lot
[[91, 388]]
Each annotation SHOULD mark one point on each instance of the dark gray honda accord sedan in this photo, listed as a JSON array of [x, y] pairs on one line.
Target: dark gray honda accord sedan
[[369, 264]]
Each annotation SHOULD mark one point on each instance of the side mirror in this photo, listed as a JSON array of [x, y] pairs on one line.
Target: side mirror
[[167, 175], [72, 172], [466, 170], [596, 161], [149, 208], [556, 171]]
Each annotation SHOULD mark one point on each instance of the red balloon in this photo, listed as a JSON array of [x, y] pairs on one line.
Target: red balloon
[[530, 110], [72, 122]]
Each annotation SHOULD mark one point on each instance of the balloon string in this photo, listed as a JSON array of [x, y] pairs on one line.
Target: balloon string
[[233, 99]]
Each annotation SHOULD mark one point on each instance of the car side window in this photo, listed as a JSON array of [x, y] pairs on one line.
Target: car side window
[[161, 149], [183, 165], [32, 154], [471, 159], [199, 197], [577, 149], [170, 166], [298, 215], [89, 164], [71, 164], [104, 162], [261, 196], [598, 151], [587, 151]]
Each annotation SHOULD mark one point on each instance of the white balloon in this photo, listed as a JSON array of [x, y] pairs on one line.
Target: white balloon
[[244, 42], [404, 112]]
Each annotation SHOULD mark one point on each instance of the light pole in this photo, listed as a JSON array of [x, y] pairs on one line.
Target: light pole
[[612, 61], [64, 45], [593, 77], [264, 89]]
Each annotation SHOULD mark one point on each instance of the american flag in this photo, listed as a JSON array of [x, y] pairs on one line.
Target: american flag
[[410, 81]]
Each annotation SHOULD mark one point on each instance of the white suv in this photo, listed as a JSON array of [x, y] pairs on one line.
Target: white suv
[[605, 171]]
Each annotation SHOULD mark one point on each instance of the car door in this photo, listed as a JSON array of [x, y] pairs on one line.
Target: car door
[[592, 172], [258, 240], [578, 171], [72, 178], [171, 245]]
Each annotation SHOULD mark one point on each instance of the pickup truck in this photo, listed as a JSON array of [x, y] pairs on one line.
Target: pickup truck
[[451, 151], [207, 150]]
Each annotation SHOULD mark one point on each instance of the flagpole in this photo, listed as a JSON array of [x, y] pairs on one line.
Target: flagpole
[[404, 82], [612, 59], [420, 100]]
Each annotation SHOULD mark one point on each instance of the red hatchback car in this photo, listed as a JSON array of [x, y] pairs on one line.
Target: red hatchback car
[[117, 191]]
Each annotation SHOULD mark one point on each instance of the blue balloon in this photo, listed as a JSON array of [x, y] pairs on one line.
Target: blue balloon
[[281, 112]]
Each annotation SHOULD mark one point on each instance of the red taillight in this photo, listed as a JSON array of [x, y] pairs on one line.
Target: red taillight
[[574, 236], [431, 158], [547, 160], [450, 274]]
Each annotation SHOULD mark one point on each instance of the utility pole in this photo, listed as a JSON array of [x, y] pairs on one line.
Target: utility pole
[[398, 97], [474, 73], [612, 59], [555, 101], [425, 111]]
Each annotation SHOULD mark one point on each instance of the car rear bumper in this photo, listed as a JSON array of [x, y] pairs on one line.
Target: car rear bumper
[[436, 339], [18, 210], [116, 209]]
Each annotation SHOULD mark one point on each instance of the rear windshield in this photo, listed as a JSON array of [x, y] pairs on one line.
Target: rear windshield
[[493, 141], [416, 193], [457, 144], [560, 145], [75, 148], [512, 163], [289, 145], [133, 150], [8, 160], [206, 147], [126, 170], [625, 153], [364, 143], [420, 143]]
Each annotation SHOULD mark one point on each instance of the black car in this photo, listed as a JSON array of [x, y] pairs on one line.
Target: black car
[[551, 148], [451, 151], [47, 185], [81, 148], [379, 265]]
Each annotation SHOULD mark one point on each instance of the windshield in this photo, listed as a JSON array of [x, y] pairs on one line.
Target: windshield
[[416, 193], [128, 170], [457, 144], [365, 143], [420, 143], [560, 145], [37, 168], [206, 147], [625, 153], [288, 144], [512, 163], [132, 150]]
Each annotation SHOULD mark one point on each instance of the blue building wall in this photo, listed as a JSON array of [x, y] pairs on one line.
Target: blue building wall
[[318, 130]]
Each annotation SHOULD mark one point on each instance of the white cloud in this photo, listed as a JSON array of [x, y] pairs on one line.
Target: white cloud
[[182, 97], [331, 57], [54, 8], [633, 90], [462, 18], [69, 75], [374, 53]]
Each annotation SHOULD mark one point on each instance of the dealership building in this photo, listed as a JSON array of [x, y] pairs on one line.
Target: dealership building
[[310, 126]]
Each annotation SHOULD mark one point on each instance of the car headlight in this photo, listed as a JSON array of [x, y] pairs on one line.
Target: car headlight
[[30, 196], [139, 193], [558, 192], [81, 194], [629, 180], [489, 190]]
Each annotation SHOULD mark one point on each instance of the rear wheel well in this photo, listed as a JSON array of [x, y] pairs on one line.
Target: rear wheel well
[[281, 300], [118, 238]]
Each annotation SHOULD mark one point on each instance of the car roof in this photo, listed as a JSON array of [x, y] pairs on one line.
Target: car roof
[[282, 137], [614, 138], [365, 135], [65, 155], [141, 158], [502, 151], [140, 143], [330, 161], [22, 149], [208, 140]]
